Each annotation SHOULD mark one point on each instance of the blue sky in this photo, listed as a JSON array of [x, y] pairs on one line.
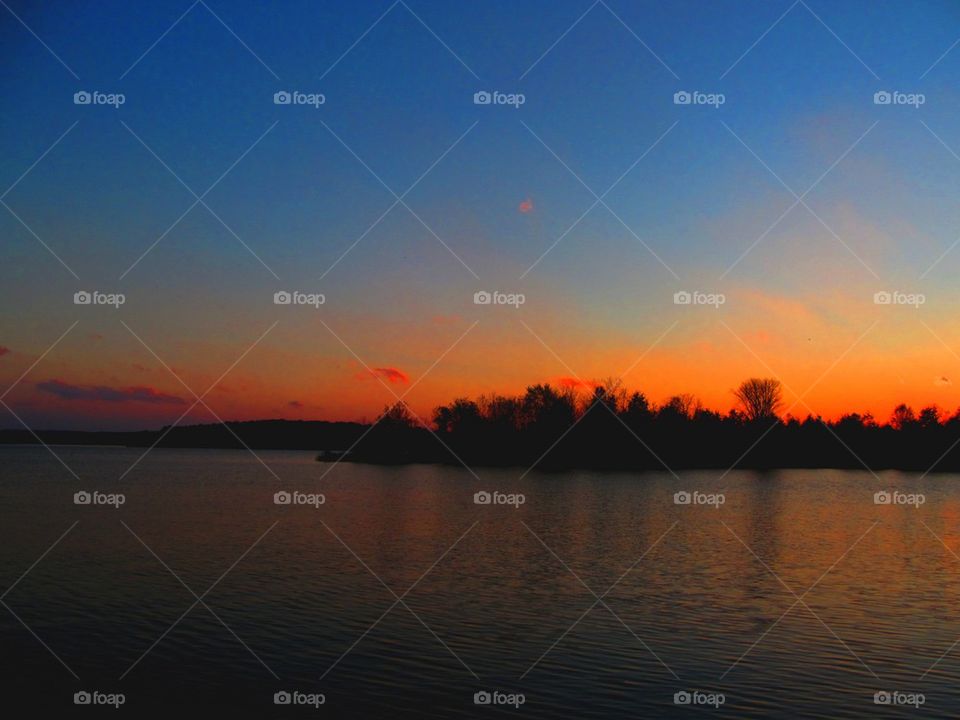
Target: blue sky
[[798, 81]]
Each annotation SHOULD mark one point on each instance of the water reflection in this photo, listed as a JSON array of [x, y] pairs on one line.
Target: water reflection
[[692, 597]]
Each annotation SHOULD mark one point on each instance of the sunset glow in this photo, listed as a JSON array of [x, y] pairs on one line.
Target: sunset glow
[[694, 199]]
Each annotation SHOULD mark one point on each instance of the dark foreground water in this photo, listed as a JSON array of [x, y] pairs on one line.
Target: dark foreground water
[[599, 596]]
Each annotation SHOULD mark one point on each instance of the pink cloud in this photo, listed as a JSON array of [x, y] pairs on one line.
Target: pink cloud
[[392, 375], [526, 206], [103, 393], [577, 383]]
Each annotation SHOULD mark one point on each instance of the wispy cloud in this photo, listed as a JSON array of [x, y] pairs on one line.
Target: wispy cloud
[[103, 393]]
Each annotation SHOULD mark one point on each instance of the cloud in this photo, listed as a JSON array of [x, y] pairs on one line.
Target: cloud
[[3, 350], [526, 206], [577, 383], [103, 393], [392, 375], [942, 380], [295, 404]]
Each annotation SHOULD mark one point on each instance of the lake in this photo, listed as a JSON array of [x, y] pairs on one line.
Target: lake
[[389, 591]]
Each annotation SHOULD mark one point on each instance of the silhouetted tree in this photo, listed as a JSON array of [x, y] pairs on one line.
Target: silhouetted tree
[[609, 428], [902, 417], [953, 420], [613, 394], [637, 405], [855, 421], [501, 411], [397, 415], [461, 415], [929, 417], [760, 397], [684, 406], [544, 406]]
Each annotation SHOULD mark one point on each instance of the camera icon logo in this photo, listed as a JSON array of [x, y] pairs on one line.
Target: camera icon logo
[[82, 498], [82, 698], [682, 498], [282, 297], [482, 98], [482, 297], [282, 98], [682, 97], [881, 697], [482, 698], [282, 498], [882, 97], [882, 497], [682, 698], [82, 98], [682, 298], [482, 498], [82, 297], [282, 698], [882, 298]]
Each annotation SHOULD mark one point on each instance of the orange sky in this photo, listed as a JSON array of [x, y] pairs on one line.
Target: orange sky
[[841, 352]]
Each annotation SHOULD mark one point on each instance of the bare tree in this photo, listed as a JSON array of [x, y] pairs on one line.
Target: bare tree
[[684, 405], [760, 397]]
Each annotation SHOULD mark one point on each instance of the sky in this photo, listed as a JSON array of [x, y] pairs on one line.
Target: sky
[[784, 198]]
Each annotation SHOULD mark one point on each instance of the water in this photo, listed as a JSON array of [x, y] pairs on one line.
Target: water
[[500, 594]]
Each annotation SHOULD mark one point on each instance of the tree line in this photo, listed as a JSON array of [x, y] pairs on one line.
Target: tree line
[[612, 428]]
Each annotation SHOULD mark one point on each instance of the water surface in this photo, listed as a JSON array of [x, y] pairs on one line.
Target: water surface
[[296, 597]]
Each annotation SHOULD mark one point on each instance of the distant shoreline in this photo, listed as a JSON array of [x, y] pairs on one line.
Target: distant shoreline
[[310, 435], [600, 444]]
